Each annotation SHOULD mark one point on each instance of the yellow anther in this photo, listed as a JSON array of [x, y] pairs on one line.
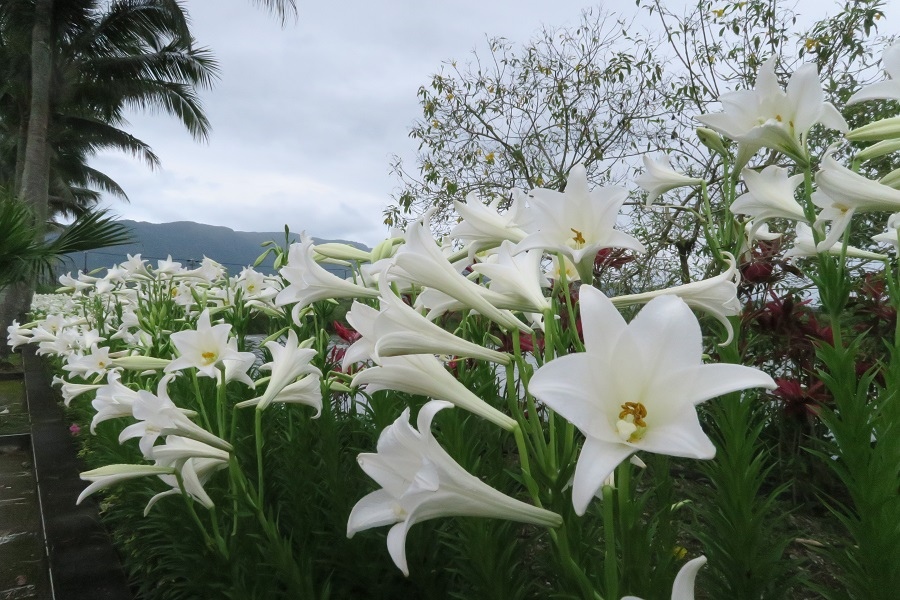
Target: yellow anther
[[208, 357], [637, 411], [579, 239]]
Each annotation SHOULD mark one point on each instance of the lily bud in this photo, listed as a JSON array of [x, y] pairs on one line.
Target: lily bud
[[712, 140]]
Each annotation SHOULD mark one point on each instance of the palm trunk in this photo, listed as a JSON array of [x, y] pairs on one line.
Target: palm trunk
[[36, 173]]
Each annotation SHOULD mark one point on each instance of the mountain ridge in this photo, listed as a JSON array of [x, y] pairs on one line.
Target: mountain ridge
[[188, 242]]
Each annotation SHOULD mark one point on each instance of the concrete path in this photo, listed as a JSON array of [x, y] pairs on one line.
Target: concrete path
[[50, 549]]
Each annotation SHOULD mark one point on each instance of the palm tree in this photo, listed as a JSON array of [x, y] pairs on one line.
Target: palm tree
[[89, 62], [24, 255]]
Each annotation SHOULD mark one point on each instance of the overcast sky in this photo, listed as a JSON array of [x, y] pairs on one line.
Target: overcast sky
[[305, 118]]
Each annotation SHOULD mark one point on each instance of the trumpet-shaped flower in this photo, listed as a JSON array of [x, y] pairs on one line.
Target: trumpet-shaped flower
[[516, 281], [420, 481], [579, 222], [310, 282], [204, 348], [767, 117], [109, 475], [841, 193], [483, 226], [157, 415], [770, 195], [17, 335], [683, 586], [289, 362], [97, 362], [399, 329], [805, 245], [635, 387], [883, 90], [716, 296], [195, 461], [659, 177], [892, 235], [112, 401], [425, 375], [420, 260]]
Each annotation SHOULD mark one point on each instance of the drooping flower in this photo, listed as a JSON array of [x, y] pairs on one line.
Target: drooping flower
[[892, 235], [635, 387], [96, 362], [577, 223], [883, 90], [112, 401], [290, 362], [659, 177], [805, 245], [310, 282], [716, 296], [683, 586], [158, 416], [195, 461], [483, 226], [420, 260], [425, 375], [204, 348], [398, 329], [770, 195], [516, 281], [420, 481], [841, 193], [767, 117], [109, 475]]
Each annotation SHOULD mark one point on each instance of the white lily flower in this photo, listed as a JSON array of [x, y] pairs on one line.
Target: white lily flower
[[420, 260], [204, 348], [109, 475], [635, 387], [112, 401], [516, 280], [805, 245], [70, 284], [769, 117], [399, 330], [310, 282], [483, 226], [893, 231], [98, 362], [420, 481], [167, 267], [716, 296], [883, 90], [236, 368], [841, 193], [770, 195], [659, 177], [306, 390], [683, 586], [158, 416], [18, 335], [579, 222], [425, 375], [361, 317], [70, 390], [289, 362], [135, 267]]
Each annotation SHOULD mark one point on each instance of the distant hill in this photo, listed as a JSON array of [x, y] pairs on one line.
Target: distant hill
[[188, 242]]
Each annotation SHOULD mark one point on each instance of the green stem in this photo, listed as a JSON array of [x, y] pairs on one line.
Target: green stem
[[260, 480], [610, 559]]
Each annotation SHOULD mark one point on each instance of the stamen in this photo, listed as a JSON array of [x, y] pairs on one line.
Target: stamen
[[208, 357], [637, 410], [579, 239]]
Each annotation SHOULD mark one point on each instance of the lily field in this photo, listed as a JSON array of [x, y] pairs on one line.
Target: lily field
[[485, 416]]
